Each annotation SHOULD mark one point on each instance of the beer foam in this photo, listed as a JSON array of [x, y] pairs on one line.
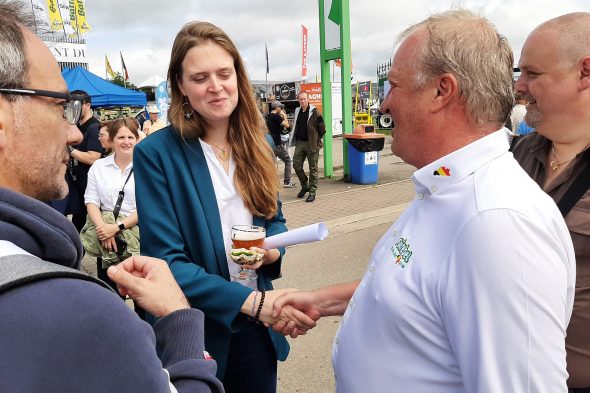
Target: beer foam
[[246, 236]]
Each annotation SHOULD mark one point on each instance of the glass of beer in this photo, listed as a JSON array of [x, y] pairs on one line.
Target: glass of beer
[[246, 236]]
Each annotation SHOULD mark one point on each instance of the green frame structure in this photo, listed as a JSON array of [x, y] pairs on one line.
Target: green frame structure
[[339, 14]]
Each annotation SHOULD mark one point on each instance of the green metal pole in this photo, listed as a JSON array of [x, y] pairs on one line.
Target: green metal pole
[[345, 78], [326, 97]]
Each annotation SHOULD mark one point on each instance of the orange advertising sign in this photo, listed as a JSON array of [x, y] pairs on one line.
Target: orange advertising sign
[[314, 93]]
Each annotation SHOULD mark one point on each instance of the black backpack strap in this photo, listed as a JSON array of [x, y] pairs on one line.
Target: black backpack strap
[[576, 190], [18, 270], [119, 202]]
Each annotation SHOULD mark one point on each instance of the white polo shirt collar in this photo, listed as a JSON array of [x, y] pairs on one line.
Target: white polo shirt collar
[[456, 166]]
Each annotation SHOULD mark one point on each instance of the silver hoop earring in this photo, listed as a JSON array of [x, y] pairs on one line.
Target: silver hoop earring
[[187, 115]]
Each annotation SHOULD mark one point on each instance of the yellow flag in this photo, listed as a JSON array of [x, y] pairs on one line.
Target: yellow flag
[[55, 21], [83, 26], [108, 67], [72, 18]]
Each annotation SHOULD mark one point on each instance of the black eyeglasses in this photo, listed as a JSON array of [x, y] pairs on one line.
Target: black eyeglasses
[[72, 104]]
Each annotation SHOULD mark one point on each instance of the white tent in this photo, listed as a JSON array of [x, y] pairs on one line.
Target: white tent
[[152, 81]]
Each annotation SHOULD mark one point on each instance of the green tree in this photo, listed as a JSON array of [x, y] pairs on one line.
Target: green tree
[[118, 80]]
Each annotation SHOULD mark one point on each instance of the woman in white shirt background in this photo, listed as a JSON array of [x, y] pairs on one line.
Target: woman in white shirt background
[[106, 178]]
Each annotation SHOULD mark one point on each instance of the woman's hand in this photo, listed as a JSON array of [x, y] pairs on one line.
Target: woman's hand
[[290, 319], [106, 231], [268, 257], [109, 244]]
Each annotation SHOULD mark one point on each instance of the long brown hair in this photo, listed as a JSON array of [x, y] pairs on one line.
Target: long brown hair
[[255, 177]]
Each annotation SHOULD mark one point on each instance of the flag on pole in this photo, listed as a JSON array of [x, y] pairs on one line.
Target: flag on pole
[[80, 8], [125, 73], [335, 12], [55, 21], [266, 50], [108, 67], [68, 14], [41, 15], [303, 52]]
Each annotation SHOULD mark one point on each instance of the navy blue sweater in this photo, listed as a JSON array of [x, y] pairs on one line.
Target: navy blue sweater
[[70, 335]]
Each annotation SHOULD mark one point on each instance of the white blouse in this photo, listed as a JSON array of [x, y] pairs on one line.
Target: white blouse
[[105, 180], [232, 210]]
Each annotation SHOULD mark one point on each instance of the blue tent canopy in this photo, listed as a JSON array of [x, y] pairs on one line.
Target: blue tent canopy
[[103, 93]]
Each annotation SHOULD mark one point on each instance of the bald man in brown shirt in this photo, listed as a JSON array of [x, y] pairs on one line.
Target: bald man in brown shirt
[[555, 79]]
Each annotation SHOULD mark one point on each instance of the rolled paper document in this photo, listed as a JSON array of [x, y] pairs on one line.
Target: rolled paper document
[[306, 234]]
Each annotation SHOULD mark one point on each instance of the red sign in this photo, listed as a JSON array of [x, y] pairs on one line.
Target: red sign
[[314, 93], [303, 52]]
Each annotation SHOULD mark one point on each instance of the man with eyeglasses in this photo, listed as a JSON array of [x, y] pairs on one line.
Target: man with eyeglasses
[[82, 156], [61, 330]]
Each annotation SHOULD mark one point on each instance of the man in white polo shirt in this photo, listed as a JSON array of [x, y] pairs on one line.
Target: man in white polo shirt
[[471, 289]]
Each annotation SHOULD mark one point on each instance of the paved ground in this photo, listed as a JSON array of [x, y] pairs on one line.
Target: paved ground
[[356, 215]]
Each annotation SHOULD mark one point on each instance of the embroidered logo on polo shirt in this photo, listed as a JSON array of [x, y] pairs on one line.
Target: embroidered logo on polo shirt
[[442, 171], [401, 252]]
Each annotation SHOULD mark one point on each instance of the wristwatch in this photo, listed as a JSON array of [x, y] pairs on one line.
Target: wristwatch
[[121, 225]]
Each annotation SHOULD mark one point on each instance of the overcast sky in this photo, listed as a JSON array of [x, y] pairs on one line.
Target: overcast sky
[[143, 30]]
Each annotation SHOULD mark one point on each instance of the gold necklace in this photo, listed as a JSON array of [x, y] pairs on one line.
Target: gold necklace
[[555, 164], [223, 154]]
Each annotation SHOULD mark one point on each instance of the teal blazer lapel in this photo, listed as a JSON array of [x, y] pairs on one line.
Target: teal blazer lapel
[[197, 163]]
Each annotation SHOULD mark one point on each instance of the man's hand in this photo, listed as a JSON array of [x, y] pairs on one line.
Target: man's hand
[[289, 316], [149, 282], [305, 303], [323, 302]]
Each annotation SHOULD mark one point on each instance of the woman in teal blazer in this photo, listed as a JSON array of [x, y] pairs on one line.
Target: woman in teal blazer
[[179, 170]]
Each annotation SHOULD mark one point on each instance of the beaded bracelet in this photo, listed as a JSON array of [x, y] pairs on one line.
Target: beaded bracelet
[[254, 303], [256, 318]]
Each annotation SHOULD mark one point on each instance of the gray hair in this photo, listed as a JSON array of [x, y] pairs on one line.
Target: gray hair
[[469, 47], [13, 63]]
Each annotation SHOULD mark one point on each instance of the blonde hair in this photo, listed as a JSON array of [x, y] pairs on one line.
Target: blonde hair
[[255, 177], [469, 47]]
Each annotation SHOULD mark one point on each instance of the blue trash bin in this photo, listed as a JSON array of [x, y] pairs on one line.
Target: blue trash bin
[[363, 157]]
